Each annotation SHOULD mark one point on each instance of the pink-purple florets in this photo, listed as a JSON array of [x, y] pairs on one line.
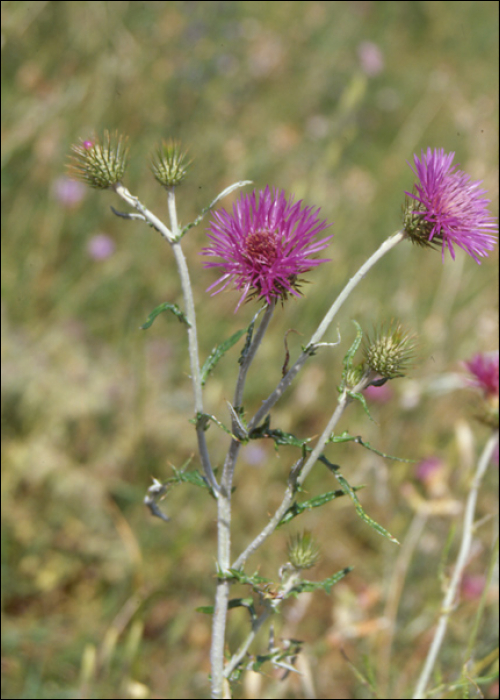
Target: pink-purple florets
[[265, 244], [484, 369], [448, 208]]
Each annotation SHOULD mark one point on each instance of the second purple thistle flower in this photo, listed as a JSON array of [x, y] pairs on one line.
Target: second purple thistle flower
[[264, 245], [448, 208]]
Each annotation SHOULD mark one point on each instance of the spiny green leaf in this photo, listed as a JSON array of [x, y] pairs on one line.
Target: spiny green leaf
[[279, 436], [203, 420], [165, 307], [217, 353], [359, 397], [253, 580], [184, 477], [298, 508], [207, 609], [350, 491], [350, 354], [345, 437], [326, 585]]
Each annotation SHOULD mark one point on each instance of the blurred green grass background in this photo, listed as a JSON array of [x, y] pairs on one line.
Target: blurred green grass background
[[327, 100]]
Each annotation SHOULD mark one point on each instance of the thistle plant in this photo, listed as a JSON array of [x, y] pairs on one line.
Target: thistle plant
[[266, 248]]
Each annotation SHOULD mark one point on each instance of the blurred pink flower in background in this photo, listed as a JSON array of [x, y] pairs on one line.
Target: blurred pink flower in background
[[379, 394], [432, 474], [370, 58], [428, 468], [472, 586], [68, 192], [101, 246]]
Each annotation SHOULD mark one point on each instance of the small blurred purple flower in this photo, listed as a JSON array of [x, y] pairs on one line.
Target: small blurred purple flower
[[448, 208], [265, 244], [255, 455], [68, 192], [370, 58], [484, 368], [472, 586], [427, 469], [101, 246], [379, 394], [88, 144]]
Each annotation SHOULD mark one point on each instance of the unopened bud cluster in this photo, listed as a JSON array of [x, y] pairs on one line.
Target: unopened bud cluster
[[355, 375], [303, 553], [389, 352], [170, 165], [100, 164]]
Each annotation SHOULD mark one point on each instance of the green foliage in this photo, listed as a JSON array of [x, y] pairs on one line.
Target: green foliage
[[218, 352], [280, 437], [166, 306], [335, 469], [326, 585], [345, 437], [349, 357], [316, 502]]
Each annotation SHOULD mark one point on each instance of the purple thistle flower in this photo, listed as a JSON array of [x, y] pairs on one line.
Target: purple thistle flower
[[484, 368], [448, 208], [101, 246], [265, 244]]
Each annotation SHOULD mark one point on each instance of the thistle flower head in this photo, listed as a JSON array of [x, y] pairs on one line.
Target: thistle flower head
[[484, 370], [303, 552], [264, 245], [447, 209], [170, 165], [100, 164], [389, 351]]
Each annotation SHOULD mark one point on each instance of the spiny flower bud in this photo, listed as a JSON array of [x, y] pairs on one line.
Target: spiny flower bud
[[389, 351], [354, 376], [170, 165], [100, 164], [303, 553]]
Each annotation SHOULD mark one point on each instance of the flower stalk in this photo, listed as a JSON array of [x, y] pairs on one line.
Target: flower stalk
[[450, 596]]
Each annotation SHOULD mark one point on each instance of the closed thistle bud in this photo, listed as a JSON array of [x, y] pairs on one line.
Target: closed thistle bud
[[170, 165], [354, 376], [100, 164], [389, 351], [303, 553]]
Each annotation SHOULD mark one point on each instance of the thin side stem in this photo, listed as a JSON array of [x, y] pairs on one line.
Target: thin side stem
[[245, 365], [386, 246], [173, 236], [462, 559], [240, 654], [299, 473], [393, 597]]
